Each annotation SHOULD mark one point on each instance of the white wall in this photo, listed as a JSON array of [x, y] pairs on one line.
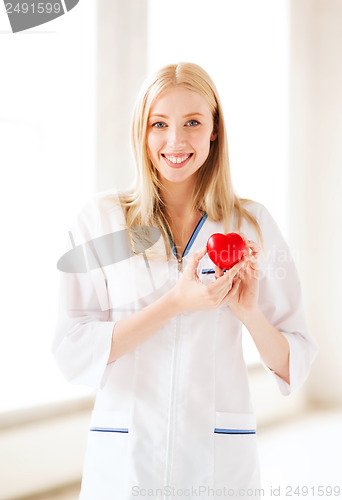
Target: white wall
[[316, 180]]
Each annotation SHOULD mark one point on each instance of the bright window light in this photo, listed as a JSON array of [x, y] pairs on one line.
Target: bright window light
[[47, 153]]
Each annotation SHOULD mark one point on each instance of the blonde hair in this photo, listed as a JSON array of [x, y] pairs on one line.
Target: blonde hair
[[213, 190]]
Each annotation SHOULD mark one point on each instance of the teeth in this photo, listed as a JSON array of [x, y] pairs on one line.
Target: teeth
[[178, 159]]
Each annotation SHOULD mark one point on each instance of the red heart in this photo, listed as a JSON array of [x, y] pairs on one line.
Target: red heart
[[225, 250]]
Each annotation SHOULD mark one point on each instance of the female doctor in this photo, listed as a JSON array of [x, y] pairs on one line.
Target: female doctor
[[159, 339]]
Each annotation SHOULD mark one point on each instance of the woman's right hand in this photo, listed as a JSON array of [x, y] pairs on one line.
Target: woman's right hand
[[190, 294]]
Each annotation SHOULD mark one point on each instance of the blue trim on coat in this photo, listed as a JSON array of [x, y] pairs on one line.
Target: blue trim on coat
[[234, 431], [192, 237], [194, 234], [109, 429]]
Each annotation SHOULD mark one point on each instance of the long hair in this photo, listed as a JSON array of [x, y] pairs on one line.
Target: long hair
[[213, 190]]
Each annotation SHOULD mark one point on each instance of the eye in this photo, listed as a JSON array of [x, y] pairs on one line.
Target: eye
[[159, 125], [192, 123]]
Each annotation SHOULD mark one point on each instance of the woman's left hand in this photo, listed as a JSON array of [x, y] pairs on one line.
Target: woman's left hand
[[245, 300]]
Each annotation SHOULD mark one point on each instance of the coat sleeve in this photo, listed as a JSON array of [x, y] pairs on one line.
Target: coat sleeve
[[83, 333], [280, 299]]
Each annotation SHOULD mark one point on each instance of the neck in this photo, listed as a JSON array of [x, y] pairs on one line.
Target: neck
[[177, 197]]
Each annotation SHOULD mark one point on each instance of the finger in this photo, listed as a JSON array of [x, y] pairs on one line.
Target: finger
[[201, 251], [218, 272], [245, 239], [252, 261], [197, 256], [254, 273], [250, 272], [223, 285], [191, 268], [232, 291], [250, 244], [254, 247], [234, 288], [237, 278], [227, 277], [233, 271]]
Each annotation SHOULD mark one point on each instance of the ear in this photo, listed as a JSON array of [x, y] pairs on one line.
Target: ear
[[214, 133]]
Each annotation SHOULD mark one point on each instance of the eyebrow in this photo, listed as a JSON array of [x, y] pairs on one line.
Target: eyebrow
[[184, 116]]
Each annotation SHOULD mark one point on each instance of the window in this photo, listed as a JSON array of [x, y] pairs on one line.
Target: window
[[47, 153]]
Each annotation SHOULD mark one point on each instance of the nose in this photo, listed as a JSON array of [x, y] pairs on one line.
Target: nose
[[176, 137]]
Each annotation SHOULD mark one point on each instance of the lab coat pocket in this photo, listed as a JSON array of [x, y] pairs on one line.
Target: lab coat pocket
[[236, 460], [105, 462]]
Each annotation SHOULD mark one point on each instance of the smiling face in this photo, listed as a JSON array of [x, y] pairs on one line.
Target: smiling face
[[179, 130]]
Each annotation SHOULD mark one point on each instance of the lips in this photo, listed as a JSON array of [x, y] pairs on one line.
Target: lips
[[177, 160]]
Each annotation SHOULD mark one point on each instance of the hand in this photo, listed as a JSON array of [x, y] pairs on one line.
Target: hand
[[190, 294], [245, 300]]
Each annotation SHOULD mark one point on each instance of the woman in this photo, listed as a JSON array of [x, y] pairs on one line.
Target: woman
[[159, 339]]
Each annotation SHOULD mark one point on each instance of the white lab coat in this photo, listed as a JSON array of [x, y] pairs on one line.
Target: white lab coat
[[173, 417]]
